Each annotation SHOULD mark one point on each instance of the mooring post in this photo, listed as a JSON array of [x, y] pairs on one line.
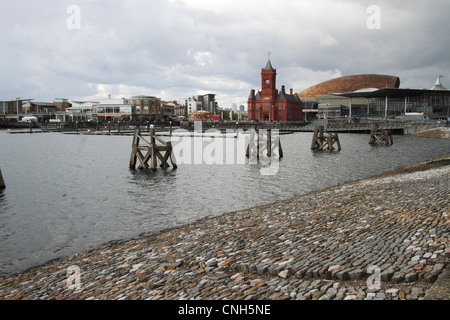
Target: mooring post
[[338, 142], [379, 135], [153, 147], [135, 148], [2, 182], [322, 139]]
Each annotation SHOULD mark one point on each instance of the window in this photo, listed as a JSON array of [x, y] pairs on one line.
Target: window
[[126, 109]]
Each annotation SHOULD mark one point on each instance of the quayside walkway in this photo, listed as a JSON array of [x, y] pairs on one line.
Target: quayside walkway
[[383, 238]]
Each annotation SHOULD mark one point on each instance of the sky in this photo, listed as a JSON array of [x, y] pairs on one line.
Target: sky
[[172, 49]]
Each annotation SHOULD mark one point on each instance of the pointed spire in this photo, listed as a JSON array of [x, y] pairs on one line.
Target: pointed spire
[[268, 64], [438, 85]]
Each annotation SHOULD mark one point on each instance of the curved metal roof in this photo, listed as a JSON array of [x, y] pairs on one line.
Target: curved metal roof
[[350, 84]]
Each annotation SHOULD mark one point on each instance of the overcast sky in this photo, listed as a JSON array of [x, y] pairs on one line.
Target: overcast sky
[[87, 49]]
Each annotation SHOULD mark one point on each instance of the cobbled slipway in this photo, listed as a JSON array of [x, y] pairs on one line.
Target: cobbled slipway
[[380, 238]]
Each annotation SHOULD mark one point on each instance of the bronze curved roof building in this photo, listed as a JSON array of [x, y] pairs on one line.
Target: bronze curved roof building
[[350, 84]]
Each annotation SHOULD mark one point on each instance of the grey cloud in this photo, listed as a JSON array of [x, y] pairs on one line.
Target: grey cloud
[[185, 46]]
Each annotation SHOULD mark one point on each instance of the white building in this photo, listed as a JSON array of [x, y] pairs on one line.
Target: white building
[[80, 110], [205, 102]]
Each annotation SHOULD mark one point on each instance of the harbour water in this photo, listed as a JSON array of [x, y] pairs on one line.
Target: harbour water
[[70, 193]]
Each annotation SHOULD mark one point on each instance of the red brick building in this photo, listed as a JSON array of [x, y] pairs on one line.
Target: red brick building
[[269, 103]]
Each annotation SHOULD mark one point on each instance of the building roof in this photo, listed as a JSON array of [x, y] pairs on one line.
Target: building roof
[[268, 65], [350, 84], [438, 85], [393, 93], [43, 104], [285, 96], [200, 112]]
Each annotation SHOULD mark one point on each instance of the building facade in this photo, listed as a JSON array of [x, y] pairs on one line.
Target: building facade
[[271, 105], [375, 96], [206, 102], [146, 108]]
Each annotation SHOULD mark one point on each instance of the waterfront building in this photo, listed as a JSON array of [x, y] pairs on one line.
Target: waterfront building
[[146, 107], [374, 96], [112, 111], [18, 108], [81, 111], [43, 111], [62, 104], [271, 104], [174, 110], [12, 109], [206, 102]]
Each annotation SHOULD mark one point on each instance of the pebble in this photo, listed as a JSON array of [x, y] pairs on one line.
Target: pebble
[[303, 248]]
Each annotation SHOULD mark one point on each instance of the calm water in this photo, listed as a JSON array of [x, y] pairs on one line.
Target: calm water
[[70, 193]]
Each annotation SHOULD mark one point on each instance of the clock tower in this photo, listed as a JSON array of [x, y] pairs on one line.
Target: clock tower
[[268, 82], [269, 104]]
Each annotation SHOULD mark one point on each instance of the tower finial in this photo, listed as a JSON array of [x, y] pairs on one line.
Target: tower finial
[[269, 55]]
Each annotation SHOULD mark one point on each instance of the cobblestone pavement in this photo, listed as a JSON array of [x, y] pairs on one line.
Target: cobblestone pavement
[[381, 239]]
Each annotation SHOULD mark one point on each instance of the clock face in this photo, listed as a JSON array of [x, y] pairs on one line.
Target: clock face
[[267, 81]]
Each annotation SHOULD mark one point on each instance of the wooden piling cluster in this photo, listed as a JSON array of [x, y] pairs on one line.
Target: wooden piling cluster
[[323, 140], [2, 182], [257, 145], [163, 152], [379, 135]]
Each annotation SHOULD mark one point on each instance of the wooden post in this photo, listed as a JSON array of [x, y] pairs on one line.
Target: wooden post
[[323, 140], [153, 151], [338, 142], [135, 148], [380, 136], [2, 182]]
